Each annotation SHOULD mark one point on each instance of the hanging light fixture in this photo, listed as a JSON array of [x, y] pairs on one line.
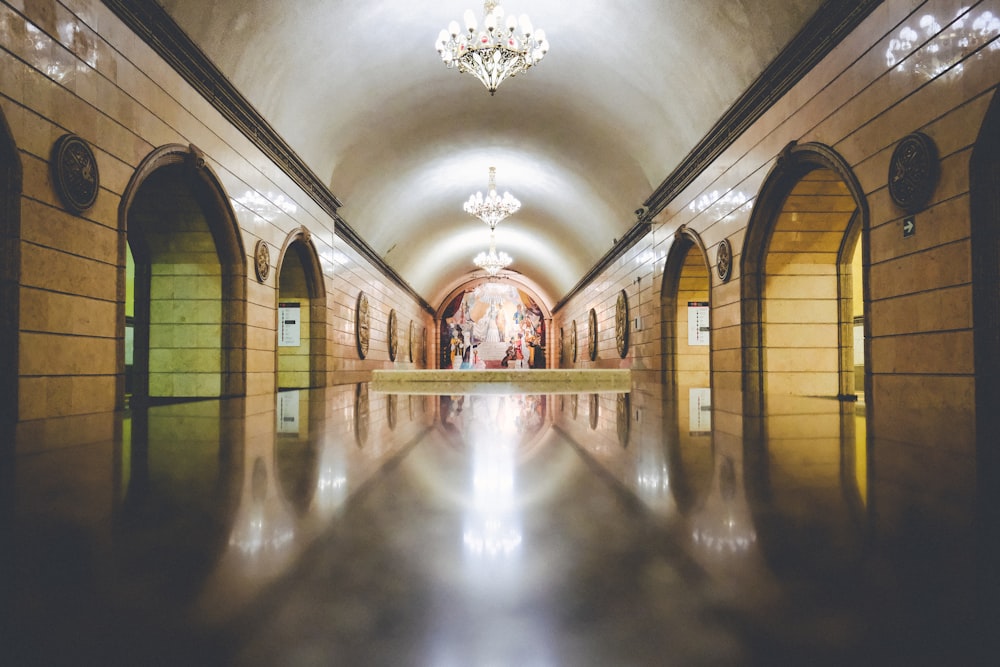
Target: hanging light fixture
[[497, 51], [492, 208], [492, 262]]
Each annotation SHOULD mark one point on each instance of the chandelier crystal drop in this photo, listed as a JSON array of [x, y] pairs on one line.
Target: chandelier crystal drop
[[492, 208], [497, 51], [492, 262]]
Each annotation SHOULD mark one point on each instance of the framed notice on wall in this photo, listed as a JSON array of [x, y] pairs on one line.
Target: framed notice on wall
[[289, 324], [698, 325]]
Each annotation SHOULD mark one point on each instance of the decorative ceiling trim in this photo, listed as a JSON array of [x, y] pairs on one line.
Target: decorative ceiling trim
[[833, 22], [161, 33]]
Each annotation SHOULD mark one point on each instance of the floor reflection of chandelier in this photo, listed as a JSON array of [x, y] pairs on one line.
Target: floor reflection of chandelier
[[497, 51], [492, 262], [492, 208]]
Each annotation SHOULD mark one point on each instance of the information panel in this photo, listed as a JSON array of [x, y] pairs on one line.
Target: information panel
[[289, 324], [698, 325], [288, 412]]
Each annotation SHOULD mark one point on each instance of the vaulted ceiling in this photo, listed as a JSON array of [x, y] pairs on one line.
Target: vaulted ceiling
[[358, 91]]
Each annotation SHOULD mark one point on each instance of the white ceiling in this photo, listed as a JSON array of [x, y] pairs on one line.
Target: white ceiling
[[358, 90]]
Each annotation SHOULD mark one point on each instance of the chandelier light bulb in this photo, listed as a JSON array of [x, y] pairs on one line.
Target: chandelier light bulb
[[492, 208], [497, 52]]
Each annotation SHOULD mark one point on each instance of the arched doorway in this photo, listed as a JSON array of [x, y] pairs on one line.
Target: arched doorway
[[803, 286], [188, 295], [301, 330], [687, 354], [10, 267], [984, 171]]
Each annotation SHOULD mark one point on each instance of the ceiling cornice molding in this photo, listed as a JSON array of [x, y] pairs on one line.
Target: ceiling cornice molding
[[159, 31], [834, 21], [621, 246]]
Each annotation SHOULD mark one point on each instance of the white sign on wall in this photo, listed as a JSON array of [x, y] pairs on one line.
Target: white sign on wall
[[700, 411], [698, 325], [289, 324], [288, 412]]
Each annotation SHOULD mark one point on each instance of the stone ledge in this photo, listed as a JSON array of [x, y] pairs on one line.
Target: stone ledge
[[535, 381]]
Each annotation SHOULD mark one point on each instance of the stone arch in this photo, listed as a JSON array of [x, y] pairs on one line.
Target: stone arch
[[299, 277], [177, 220], [792, 256], [687, 369], [10, 268]]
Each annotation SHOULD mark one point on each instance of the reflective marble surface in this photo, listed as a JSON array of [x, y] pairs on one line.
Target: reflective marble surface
[[345, 526]]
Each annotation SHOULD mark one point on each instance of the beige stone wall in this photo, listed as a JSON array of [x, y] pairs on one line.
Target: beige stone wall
[[74, 68], [919, 292]]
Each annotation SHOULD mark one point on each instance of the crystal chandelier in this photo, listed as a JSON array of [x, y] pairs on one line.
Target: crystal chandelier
[[497, 51], [492, 262], [492, 208]]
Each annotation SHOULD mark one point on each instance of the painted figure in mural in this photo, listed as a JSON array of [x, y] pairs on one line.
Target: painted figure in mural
[[457, 347]]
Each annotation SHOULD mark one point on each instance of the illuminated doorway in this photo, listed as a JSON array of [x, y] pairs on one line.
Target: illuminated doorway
[[188, 294], [687, 353], [301, 327]]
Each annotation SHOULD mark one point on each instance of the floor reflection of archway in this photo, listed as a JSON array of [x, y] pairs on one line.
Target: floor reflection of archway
[[190, 280], [10, 253], [301, 316], [686, 301], [807, 459]]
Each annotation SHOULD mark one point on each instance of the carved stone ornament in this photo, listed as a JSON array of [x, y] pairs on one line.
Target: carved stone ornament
[[261, 260], [621, 324], [572, 342], [393, 335], [592, 334], [724, 260], [362, 322], [74, 173], [913, 172]]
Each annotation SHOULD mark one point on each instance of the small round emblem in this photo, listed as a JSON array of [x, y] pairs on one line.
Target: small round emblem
[[621, 324], [74, 173], [261, 260], [913, 172], [724, 260], [393, 335], [592, 334], [362, 320]]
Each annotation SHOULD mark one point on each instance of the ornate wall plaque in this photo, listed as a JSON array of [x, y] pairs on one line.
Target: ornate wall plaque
[[74, 173], [724, 260], [913, 171], [592, 333], [621, 324], [572, 342], [362, 320], [393, 335], [261, 260]]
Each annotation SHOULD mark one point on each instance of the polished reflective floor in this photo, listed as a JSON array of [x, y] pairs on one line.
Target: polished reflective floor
[[344, 526]]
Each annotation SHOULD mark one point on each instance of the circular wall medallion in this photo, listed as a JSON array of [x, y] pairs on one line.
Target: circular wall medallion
[[261, 260], [592, 334], [724, 260], [621, 324], [409, 339], [572, 342], [74, 173], [393, 335], [362, 319], [913, 171]]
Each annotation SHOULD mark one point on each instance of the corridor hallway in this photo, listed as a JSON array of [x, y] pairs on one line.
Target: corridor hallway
[[344, 526]]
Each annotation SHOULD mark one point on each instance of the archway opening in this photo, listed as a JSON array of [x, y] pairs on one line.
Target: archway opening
[[181, 291], [687, 309], [805, 258], [301, 318]]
